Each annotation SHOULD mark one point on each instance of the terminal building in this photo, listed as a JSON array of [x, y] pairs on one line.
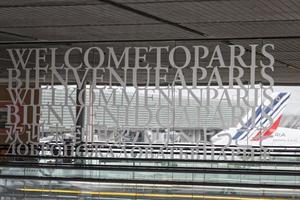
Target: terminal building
[[150, 99]]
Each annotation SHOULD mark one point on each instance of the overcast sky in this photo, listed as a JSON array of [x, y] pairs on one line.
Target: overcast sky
[[293, 106]]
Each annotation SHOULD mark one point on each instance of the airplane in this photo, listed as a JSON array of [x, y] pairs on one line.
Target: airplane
[[251, 133]]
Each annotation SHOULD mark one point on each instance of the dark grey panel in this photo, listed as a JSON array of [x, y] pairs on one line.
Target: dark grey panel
[[133, 32], [220, 11]]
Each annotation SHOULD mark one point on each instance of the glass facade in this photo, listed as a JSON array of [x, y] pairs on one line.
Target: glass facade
[[149, 100]]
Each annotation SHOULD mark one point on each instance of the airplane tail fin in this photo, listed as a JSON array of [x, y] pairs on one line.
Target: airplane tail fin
[[267, 114]]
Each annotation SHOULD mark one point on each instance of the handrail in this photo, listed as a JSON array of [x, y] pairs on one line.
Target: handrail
[[158, 182], [105, 159], [156, 169]]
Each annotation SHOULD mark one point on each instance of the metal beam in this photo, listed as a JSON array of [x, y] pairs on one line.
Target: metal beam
[[66, 3], [18, 35], [220, 39], [154, 17]]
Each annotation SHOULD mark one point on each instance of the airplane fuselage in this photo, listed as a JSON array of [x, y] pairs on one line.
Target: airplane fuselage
[[281, 137]]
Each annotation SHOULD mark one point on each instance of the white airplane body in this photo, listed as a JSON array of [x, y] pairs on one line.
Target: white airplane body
[[252, 133]]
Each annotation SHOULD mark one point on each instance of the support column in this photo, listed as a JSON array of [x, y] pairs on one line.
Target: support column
[[80, 112]]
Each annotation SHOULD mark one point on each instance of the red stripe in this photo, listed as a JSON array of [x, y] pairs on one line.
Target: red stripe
[[269, 132]]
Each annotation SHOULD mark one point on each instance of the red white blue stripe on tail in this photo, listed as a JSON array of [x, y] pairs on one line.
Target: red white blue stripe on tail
[[266, 115]]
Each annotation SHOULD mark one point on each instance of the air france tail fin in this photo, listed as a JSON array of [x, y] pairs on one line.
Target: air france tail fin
[[267, 115]]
